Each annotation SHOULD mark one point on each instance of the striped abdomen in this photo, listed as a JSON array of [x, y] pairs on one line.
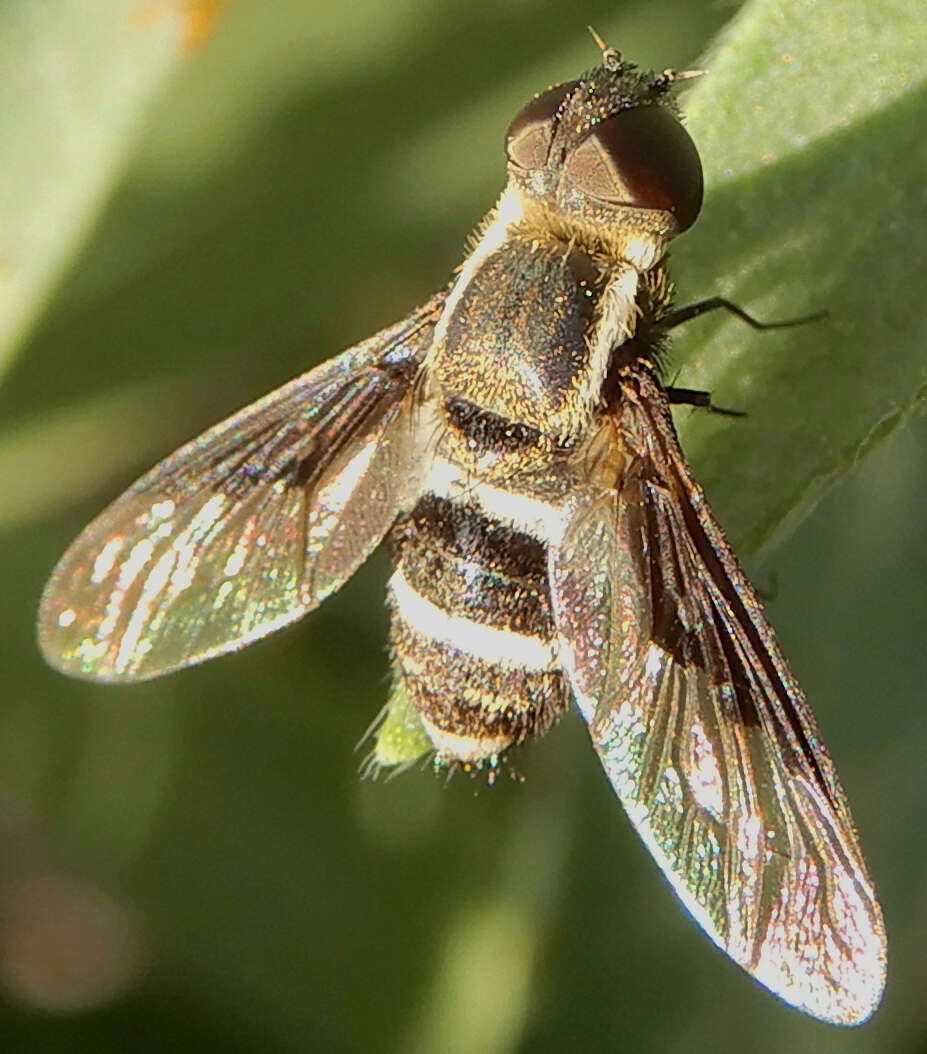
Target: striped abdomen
[[472, 628]]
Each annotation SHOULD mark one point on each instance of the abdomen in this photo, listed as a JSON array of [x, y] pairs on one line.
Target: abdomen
[[472, 628]]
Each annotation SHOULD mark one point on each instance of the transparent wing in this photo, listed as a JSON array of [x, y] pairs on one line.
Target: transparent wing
[[704, 733], [247, 527]]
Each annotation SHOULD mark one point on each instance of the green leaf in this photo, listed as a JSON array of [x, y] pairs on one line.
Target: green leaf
[[76, 82], [810, 125]]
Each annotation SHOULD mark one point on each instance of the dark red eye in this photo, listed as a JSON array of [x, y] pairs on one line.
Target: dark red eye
[[641, 157], [527, 141]]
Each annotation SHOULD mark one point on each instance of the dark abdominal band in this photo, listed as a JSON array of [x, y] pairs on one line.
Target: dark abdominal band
[[490, 432]]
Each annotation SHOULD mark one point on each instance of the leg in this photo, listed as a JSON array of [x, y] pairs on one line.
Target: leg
[[678, 315], [693, 397]]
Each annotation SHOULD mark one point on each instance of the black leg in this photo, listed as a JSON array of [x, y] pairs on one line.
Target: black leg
[[678, 315], [694, 397]]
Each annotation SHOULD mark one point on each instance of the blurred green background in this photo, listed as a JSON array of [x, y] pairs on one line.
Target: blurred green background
[[198, 202]]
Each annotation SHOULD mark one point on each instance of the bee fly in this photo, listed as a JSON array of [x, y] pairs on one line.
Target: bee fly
[[514, 439]]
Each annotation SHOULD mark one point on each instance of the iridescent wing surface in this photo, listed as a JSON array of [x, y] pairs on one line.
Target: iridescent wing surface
[[249, 526], [703, 732]]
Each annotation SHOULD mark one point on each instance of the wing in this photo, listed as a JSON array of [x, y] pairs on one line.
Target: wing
[[249, 526], [703, 732]]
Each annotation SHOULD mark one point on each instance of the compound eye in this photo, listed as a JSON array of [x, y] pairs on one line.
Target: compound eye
[[641, 157], [528, 139]]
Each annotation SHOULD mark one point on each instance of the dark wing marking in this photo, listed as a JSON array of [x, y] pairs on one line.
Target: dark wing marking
[[704, 733], [249, 526]]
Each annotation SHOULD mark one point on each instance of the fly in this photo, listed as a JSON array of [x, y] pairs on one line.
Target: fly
[[513, 438]]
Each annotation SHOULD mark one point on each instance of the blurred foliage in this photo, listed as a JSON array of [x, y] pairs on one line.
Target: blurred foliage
[[193, 863], [74, 90]]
